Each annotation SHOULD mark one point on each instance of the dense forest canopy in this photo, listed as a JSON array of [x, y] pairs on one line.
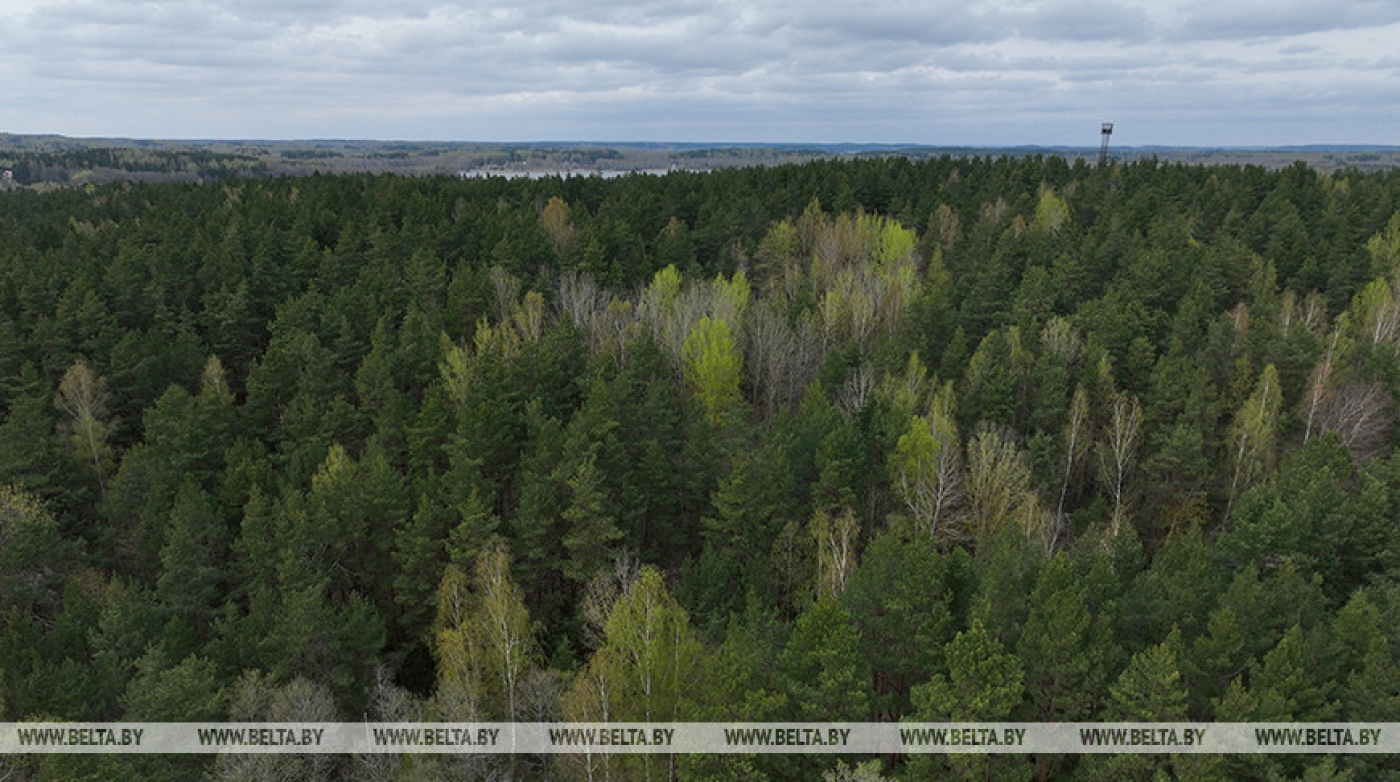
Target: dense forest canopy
[[950, 439]]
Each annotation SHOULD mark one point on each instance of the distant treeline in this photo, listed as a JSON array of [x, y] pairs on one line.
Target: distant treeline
[[64, 166]]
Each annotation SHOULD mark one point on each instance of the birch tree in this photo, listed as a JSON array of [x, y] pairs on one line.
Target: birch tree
[[1320, 385], [1377, 313], [1076, 441], [713, 368], [1252, 435], [836, 550], [1116, 451], [1359, 413], [554, 219], [485, 643], [928, 469], [998, 482], [773, 355], [647, 669], [82, 396], [1384, 248]]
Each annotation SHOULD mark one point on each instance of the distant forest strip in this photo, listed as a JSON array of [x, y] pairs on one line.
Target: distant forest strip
[[43, 161], [977, 439]]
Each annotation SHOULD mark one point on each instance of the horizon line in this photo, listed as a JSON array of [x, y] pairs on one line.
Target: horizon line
[[1088, 148]]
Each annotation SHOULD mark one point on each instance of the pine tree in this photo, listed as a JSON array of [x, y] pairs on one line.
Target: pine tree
[[984, 683], [191, 581], [905, 600], [1150, 689], [32, 458], [589, 529], [826, 677], [1066, 648]]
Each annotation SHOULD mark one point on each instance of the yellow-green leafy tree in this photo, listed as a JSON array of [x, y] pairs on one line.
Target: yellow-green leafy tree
[[713, 368]]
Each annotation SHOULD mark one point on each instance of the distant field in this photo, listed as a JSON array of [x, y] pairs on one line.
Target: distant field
[[35, 160]]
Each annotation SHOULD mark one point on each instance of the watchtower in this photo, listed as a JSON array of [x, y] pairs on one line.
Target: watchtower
[[1103, 146]]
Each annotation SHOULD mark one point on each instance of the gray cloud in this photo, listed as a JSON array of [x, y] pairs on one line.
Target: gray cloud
[[1251, 19], [1011, 71], [1092, 20]]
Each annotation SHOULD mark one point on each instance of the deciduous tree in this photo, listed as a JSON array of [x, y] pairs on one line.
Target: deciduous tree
[[82, 396], [713, 368]]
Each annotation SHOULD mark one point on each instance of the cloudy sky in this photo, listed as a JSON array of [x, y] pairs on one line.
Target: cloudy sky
[[954, 72]]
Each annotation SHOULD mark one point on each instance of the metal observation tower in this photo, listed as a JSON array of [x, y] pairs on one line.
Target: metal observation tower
[[1103, 146]]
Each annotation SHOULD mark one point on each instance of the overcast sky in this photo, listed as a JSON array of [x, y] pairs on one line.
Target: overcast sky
[[952, 72]]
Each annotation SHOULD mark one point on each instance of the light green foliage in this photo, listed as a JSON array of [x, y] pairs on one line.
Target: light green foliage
[[1051, 212], [458, 668], [1384, 248], [659, 307], [895, 244], [1375, 314], [927, 468], [528, 317], [908, 392], [731, 298], [835, 541], [665, 287], [83, 397], [1252, 436], [1000, 490], [713, 368], [649, 664], [780, 268], [455, 369], [501, 340], [554, 219], [650, 641], [485, 643]]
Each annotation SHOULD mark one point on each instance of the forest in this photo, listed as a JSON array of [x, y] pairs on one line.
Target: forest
[[954, 439]]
